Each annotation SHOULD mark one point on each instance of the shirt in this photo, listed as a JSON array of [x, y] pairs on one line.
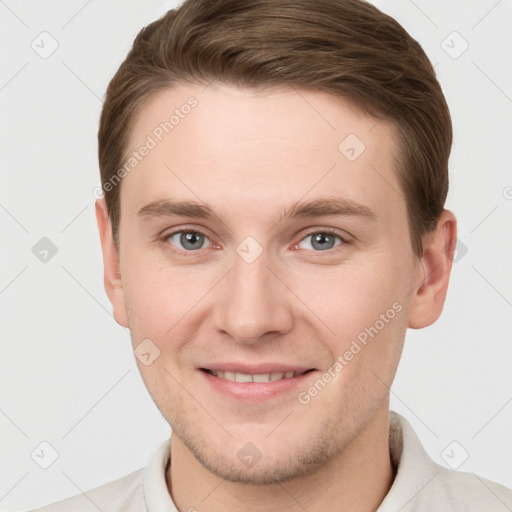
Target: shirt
[[420, 485]]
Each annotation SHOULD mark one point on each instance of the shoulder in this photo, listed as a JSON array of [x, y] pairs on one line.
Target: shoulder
[[137, 492], [421, 485], [125, 494], [467, 492]]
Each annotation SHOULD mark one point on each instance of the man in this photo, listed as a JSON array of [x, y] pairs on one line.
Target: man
[[275, 175]]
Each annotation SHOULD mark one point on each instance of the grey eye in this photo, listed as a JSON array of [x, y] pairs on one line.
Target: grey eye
[[188, 240], [321, 241]]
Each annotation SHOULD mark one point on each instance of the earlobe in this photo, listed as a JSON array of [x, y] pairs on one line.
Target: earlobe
[[438, 251], [111, 273]]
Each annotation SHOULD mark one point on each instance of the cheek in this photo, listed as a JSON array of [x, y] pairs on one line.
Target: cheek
[[350, 298], [364, 307], [159, 296], [159, 300], [366, 313]]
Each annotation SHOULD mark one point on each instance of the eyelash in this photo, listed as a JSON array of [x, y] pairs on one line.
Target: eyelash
[[325, 231]]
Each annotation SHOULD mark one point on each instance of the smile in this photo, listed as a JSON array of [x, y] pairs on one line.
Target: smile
[[258, 377]]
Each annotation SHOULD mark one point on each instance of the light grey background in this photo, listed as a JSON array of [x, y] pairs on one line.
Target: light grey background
[[67, 371]]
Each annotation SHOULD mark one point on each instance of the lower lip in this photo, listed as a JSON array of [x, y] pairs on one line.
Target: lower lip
[[255, 391]]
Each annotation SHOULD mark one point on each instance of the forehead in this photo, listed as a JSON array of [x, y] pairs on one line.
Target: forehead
[[234, 147]]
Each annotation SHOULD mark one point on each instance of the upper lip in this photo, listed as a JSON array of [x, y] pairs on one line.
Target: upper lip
[[255, 369]]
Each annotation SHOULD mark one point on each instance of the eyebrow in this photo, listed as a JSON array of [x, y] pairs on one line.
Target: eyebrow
[[321, 207], [328, 207]]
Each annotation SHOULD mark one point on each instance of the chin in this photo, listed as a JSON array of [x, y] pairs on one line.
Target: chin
[[265, 469], [271, 458]]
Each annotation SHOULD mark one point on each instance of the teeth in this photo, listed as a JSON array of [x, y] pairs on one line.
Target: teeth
[[242, 377], [227, 375], [262, 377], [259, 377]]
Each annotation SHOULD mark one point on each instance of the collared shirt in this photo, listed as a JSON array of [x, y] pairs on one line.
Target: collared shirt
[[420, 485]]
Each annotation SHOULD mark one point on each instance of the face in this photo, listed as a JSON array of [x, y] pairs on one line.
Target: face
[[266, 274]]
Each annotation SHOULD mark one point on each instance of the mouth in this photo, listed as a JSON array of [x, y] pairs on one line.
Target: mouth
[[255, 377]]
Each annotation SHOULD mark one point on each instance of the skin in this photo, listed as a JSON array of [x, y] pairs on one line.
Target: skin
[[250, 155]]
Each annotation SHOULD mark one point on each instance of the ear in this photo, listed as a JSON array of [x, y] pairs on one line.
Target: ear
[[112, 274], [436, 265]]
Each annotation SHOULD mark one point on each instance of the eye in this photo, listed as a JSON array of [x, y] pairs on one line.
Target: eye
[[320, 241], [188, 240]]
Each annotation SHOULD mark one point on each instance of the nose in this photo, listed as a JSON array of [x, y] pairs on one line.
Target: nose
[[253, 302]]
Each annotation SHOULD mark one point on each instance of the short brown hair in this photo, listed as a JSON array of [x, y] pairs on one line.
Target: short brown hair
[[347, 48]]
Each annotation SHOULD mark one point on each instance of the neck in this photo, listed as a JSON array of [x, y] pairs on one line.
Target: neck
[[356, 479]]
